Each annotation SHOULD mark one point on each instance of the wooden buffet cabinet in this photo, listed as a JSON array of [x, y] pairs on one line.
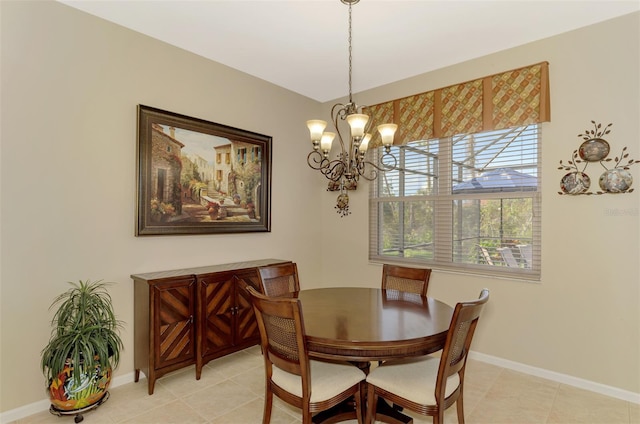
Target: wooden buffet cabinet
[[193, 315]]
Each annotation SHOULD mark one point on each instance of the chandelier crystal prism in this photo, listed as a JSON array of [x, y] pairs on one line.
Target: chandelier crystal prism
[[345, 171]]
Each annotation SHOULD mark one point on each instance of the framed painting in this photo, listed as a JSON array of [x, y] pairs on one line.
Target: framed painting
[[199, 177]]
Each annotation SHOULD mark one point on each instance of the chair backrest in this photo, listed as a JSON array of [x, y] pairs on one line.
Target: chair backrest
[[526, 252], [279, 280], [485, 255], [454, 354], [507, 256], [282, 334], [411, 280]]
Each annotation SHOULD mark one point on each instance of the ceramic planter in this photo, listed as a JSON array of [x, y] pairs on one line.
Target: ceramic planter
[[68, 394]]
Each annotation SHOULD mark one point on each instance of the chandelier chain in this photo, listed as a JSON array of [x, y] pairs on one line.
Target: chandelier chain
[[350, 55], [351, 162]]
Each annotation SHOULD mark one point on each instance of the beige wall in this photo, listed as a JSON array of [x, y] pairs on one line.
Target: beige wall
[[70, 85]]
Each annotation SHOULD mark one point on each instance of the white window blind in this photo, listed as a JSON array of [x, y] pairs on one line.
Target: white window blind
[[469, 202]]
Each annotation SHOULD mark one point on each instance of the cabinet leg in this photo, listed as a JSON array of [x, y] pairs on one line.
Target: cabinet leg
[[151, 379], [136, 377]]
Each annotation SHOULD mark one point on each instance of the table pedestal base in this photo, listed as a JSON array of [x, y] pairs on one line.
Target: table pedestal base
[[389, 414], [346, 411]]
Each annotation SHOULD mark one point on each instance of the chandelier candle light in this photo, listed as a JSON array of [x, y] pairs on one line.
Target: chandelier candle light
[[345, 171]]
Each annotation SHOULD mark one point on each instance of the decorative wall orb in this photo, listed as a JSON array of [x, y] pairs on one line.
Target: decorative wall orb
[[616, 180], [575, 183], [594, 150]]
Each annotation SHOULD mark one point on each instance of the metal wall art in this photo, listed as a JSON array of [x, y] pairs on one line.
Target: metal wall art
[[614, 179]]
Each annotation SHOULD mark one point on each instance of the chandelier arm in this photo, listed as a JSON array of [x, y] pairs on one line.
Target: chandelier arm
[[334, 170], [386, 155], [340, 139], [340, 112], [316, 160], [365, 167], [371, 169], [368, 173]]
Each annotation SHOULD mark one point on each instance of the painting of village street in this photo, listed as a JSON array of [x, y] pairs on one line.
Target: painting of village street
[[199, 182]]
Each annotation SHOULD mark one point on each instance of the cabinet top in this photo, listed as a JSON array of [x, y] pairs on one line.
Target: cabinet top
[[210, 269]]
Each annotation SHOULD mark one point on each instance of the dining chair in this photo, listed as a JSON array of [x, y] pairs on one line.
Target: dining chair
[[411, 280], [429, 385], [507, 257], [313, 386], [280, 279]]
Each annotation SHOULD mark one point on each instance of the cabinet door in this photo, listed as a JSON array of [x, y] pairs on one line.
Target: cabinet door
[[217, 304], [174, 330], [247, 327]]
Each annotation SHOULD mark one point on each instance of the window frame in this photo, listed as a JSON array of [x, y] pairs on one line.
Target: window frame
[[443, 210]]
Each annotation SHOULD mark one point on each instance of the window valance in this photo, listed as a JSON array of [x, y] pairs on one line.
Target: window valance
[[514, 98]]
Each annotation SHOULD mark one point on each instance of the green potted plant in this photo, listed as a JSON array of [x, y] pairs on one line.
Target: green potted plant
[[83, 349]]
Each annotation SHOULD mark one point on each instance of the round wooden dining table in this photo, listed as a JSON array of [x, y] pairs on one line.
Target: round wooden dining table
[[364, 324], [360, 325]]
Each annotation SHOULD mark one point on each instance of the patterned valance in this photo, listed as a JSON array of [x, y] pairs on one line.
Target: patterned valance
[[509, 99]]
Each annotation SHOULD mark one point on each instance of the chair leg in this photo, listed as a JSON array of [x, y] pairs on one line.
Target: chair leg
[[372, 401], [307, 418], [268, 404], [360, 403], [460, 409]]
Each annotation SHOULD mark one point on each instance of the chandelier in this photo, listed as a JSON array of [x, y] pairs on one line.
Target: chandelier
[[344, 172]]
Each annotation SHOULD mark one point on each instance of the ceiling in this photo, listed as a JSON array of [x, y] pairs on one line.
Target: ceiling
[[302, 45]]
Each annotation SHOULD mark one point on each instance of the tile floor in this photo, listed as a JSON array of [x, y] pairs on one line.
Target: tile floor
[[231, 389]]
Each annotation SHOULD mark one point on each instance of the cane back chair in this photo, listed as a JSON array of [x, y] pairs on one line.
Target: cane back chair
[[313, 386], [280, 279], [429, 385], [412, 280]]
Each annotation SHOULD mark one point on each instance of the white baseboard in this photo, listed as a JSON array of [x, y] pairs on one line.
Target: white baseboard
[[558, 377], [43, 405]]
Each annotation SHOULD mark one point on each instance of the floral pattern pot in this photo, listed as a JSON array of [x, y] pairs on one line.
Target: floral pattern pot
[[66, 394]]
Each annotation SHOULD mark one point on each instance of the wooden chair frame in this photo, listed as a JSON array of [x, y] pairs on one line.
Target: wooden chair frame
[[280, 279], [411, 280], [453, 360], [291, 355]]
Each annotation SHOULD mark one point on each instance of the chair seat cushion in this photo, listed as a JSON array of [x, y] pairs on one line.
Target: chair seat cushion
[[413, 379], [327, 379]]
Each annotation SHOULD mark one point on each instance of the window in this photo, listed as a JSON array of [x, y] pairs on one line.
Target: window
[[469, 202], [241, 156], [256, 154]]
